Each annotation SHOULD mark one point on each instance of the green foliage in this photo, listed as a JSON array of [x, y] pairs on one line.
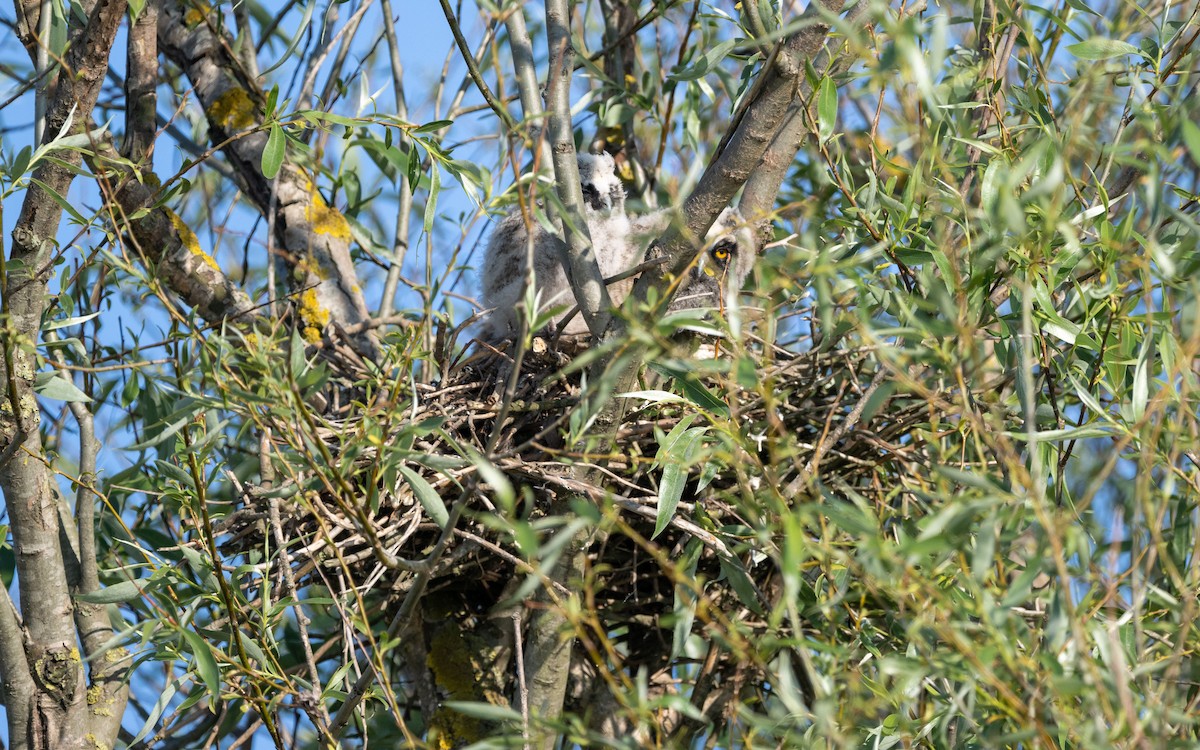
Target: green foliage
[[938, 488]]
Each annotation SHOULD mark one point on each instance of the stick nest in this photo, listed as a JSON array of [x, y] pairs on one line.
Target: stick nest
[[377, 485]]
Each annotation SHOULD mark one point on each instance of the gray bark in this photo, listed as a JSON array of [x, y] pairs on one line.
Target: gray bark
[[44, 678]]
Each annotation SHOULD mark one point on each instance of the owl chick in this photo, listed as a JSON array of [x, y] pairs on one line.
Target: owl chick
[[724, 264], [505, 259], [722, 269]]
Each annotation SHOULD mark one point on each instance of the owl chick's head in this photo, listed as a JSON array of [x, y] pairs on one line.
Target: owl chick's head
[[729, 251], [725, 261], [602, 189]]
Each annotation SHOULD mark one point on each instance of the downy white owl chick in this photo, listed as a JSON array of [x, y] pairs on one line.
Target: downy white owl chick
[[608, 226], [721, 271], [725, 262], [505, 259]]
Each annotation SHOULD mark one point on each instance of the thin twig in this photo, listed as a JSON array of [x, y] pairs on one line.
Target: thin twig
[[505, 118]]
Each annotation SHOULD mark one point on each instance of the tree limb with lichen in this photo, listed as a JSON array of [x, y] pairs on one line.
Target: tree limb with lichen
[[313, 237]]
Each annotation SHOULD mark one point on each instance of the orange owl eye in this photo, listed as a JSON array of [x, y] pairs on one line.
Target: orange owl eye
[[720, 253]]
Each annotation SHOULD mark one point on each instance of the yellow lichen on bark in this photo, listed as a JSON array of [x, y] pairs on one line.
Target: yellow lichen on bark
[[190, 241], [195, 15], [313, 316], [325, 219], [306, 267], [233, 110], [452, 669], [99, 701]]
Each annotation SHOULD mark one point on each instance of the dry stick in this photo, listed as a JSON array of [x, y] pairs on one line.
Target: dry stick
[[840, 431], [315, 708], [522, 686], [407, 607]]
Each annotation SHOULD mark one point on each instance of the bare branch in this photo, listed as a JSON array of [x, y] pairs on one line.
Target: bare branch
[[29, 490], [141, 101], [472, 68], [580, 262], [314, 237]]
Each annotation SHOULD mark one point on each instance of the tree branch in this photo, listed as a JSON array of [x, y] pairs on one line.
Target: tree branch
[[758, 198], [314, 237], [497, 106], [29, 490], [108, 689], [587, 284], [141, 101], [527, 81], [404, 201]]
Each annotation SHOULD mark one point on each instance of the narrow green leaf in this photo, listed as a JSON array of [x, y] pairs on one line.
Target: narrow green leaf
[[485, 711], [493, 476], [1191, 138], [118, 592], [1100, 48], [1089, 430], [666, 446], [675, 461], [827, 106], [21, 163], [272, 155], [160, 437], [1141, 378], [295, 40], [670, 489], [849, 517], [436, 125], [272, 101], [700, 395], [742, 584], [72, 321], [655, 397], [54, 386], [684, 608], [426, 496], [206, 665], [156, 711], [61, 201], [431, 202]]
